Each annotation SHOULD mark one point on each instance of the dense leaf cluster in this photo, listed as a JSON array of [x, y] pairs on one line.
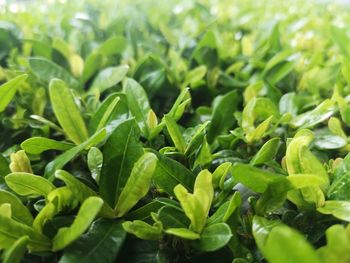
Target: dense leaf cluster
[[174, 131]]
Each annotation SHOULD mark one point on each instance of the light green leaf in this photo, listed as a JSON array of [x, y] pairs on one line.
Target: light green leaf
[[143, 230], [30, 185], [67, 112], [183, 233], [86, 214], [20, 162], [8, 90], [16, 252], [19, 211], [137, 184], [109, 77], [175, 133], [196, 206], [11, 231], [339, 209], [38, 145], [267, 152]]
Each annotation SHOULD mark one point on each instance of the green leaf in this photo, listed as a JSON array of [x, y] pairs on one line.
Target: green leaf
[[86, 214], [220, 173], [20, 162], [109, 77], [30, 185], [183, 233], [46, 70], [92, 63], [338, 243], [38, 145], [222, 114], [172, 218], [214, 237], [196, 206], [138, 104], [11, 231], [137, 184], [66, 157], [254, 178], [110, 113], [175, 133], [95, 161], [143, 230], [101, 243], [285, 244], [339, 209], [20, 212], [67, 112], [16, 252], [267, 152], [113, 45], [321, 113], [82, 191], [170, 173], [121, 151], [8, 90]]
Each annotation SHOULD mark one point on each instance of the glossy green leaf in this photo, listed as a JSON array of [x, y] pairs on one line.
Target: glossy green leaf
[[46, 70], [67, 112], [214, 237], [95, 161], [101, 243], [121, 151]]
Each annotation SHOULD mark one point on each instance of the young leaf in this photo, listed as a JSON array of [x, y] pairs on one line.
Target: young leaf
[[19, 211], [267, 152], [16, 252], [137, 184], [87, 213], [30, 185], [196, 206], [38, 145], [143, 230], [67, 112], [20, 162], [339, 209], [183, 233], [175, 134], [8, 90]]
